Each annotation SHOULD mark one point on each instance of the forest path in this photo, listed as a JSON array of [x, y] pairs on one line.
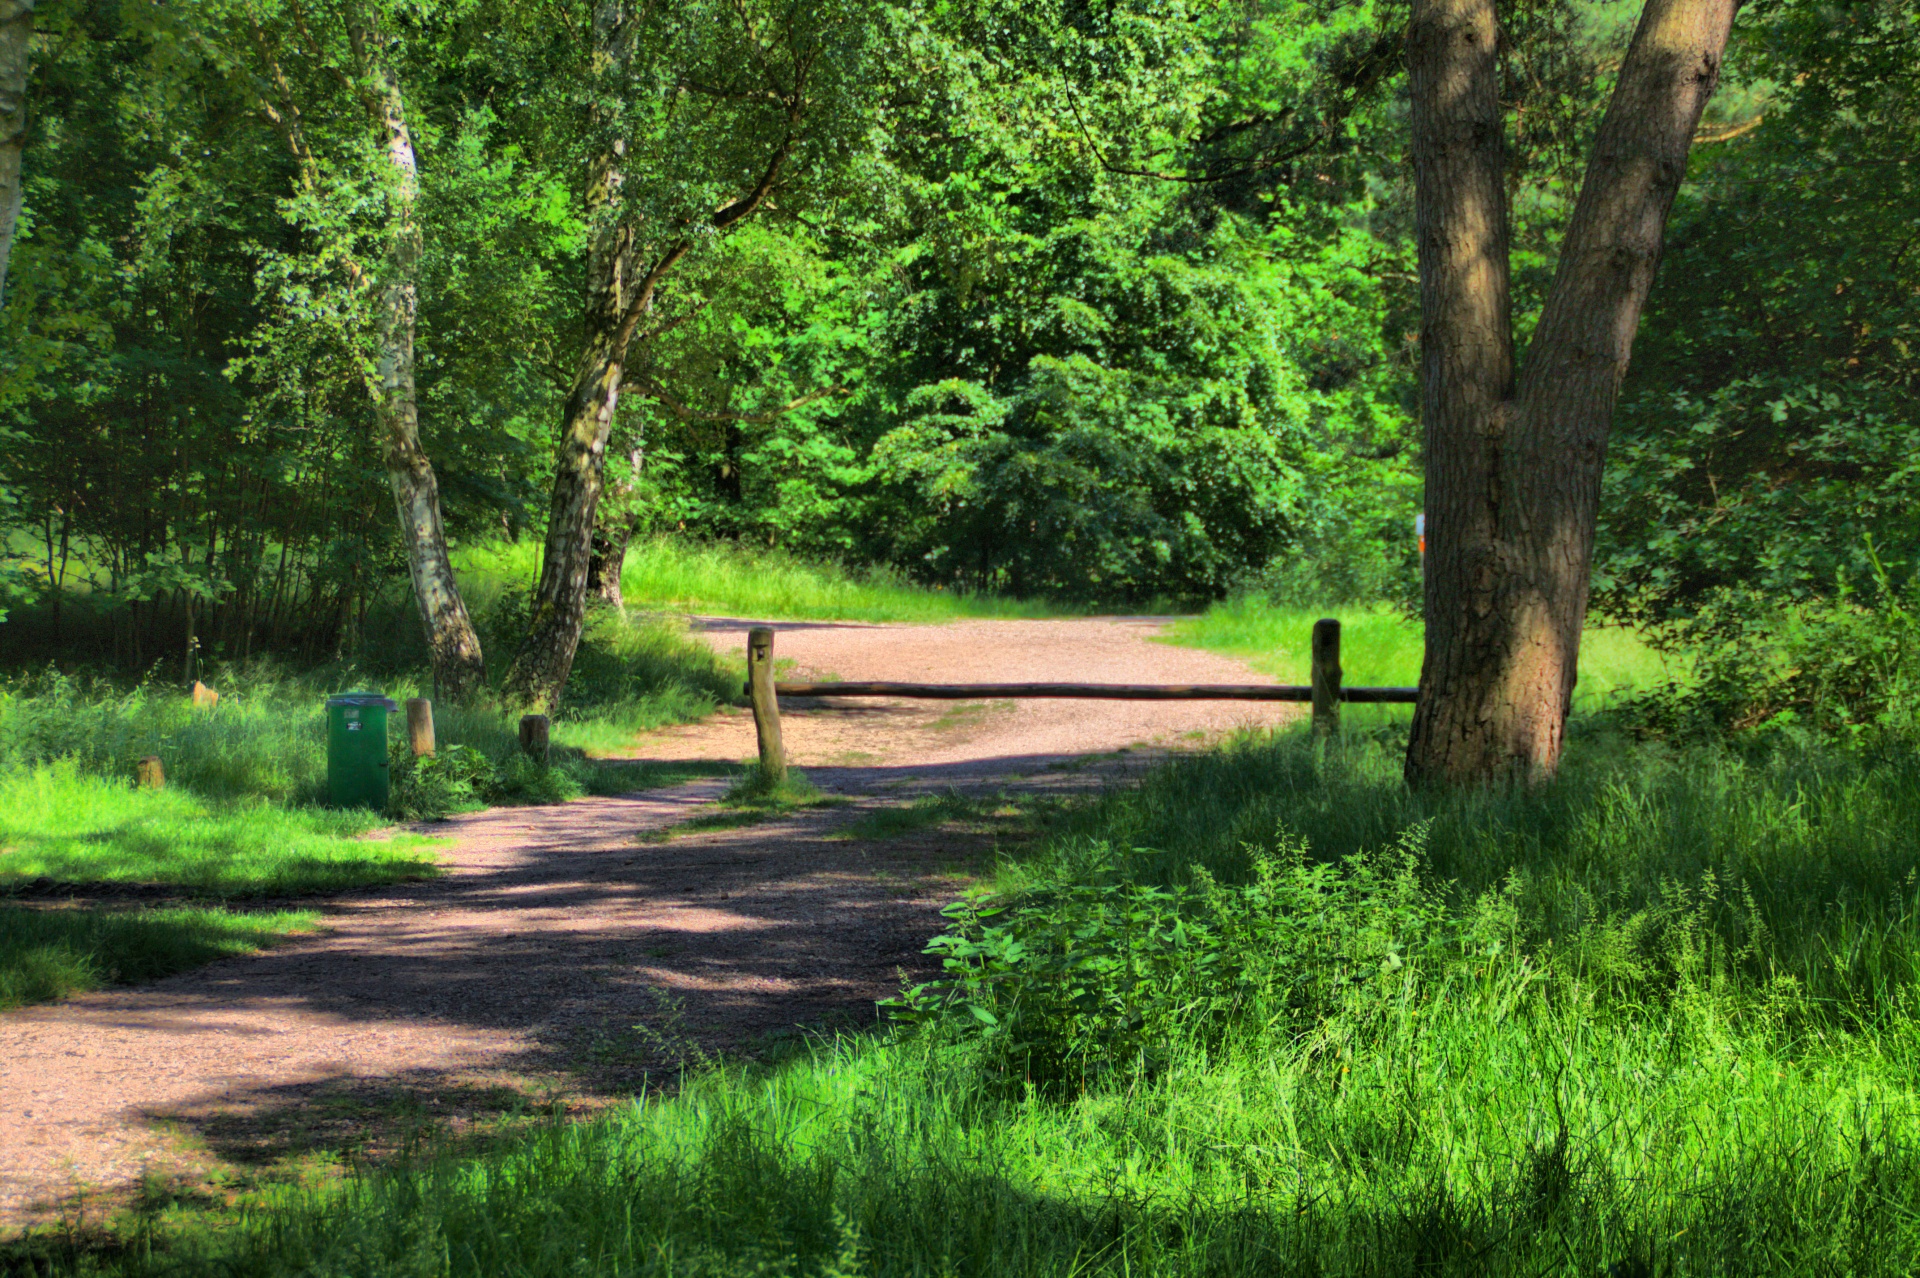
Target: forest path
[[517, 978]]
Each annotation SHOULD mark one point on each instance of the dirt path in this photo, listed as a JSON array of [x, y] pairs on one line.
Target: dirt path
[[520, 975]]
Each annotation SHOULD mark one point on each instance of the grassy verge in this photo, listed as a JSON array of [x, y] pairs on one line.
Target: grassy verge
[[59, 825], [1381, 646], [678, 576], [68, 833], [1271, 1013], [53, 953]]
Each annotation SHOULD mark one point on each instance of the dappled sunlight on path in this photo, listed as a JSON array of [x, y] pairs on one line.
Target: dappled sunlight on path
[[564, 957]]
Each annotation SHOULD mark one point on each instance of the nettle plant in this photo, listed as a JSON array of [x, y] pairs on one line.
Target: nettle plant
[[1068, 985]]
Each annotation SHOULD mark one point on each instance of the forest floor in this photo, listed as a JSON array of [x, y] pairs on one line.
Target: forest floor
[[570, 954]]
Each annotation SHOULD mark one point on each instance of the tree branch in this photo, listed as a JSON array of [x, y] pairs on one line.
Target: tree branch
[[654, 390]]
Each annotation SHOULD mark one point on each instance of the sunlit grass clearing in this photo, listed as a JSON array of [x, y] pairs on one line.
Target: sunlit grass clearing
[[733, 580], [1681, 1043], [1381, 646], [58, 823]]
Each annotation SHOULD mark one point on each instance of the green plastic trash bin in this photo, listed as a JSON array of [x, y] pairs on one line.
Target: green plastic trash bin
[[357, 749]]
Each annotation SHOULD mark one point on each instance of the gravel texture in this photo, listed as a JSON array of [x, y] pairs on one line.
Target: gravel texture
[[564, 960]]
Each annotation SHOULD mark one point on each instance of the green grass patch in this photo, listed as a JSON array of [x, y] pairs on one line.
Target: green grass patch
[[736, 580], [1381, 646], [62, 825], [1658, 1017], [52, 953]]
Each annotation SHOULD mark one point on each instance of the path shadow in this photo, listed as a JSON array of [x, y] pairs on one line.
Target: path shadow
[[611, 961]]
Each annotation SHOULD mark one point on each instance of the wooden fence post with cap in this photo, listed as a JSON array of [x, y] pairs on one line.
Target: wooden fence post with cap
[[766, 705], [1326, 678]]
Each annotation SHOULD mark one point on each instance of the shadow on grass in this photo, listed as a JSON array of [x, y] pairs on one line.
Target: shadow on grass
[[645, 1196], [49, 953], [630, 776]]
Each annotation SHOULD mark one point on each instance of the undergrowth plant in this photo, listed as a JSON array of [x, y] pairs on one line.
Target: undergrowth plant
[[1069, 985]]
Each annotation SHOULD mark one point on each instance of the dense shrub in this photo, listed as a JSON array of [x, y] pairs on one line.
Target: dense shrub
[[1066, 984]]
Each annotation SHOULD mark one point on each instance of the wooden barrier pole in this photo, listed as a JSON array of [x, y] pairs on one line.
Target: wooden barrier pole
[[420, 726], [533, 737], [148, 774], [766, 705], [1326, 678]]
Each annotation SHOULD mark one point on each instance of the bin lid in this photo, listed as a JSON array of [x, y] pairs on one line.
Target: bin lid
[[363, 699]]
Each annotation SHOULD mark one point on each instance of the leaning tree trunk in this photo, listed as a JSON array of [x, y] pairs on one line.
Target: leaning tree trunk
[[540, 668], [1513, 472], [459, 669], [16, 40]]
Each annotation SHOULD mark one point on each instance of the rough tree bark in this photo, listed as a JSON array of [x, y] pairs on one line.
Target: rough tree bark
[[1513, 465], [459, 667], [16, 40], [610, 540]]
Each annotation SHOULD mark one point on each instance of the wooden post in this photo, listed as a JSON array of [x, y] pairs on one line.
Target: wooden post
[[149, 775], [420, 726], [533, 737], [204, 696], [1326, 678], [766, 706]]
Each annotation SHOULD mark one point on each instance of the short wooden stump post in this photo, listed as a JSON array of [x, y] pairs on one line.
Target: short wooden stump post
[[204, 697], [766, 705], [1326, 679], [420, 726], [533, 737], [148, 774]]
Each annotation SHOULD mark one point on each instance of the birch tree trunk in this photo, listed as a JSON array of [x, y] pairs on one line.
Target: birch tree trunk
[[545, 659], [16, 40], [459, 669], [1513, 469], [620, 299]]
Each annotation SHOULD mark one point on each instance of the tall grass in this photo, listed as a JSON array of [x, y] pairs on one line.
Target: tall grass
[[670, 574], [1485, 1131], [1658, 1017], [1379, 645]]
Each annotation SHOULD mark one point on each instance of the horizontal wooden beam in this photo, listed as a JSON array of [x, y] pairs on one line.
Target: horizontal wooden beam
[[1090, 691]]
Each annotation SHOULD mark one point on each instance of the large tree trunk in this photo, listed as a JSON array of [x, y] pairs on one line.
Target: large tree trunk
[[459, 669], [1513, 472], [16, 39]]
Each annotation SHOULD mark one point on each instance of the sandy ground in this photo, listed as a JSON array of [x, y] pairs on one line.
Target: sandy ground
[[562, 959]]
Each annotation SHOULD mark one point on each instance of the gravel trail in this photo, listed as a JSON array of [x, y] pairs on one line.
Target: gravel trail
[[563, 957]]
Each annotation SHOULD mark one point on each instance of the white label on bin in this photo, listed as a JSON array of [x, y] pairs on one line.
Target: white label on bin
[[353, 727]]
